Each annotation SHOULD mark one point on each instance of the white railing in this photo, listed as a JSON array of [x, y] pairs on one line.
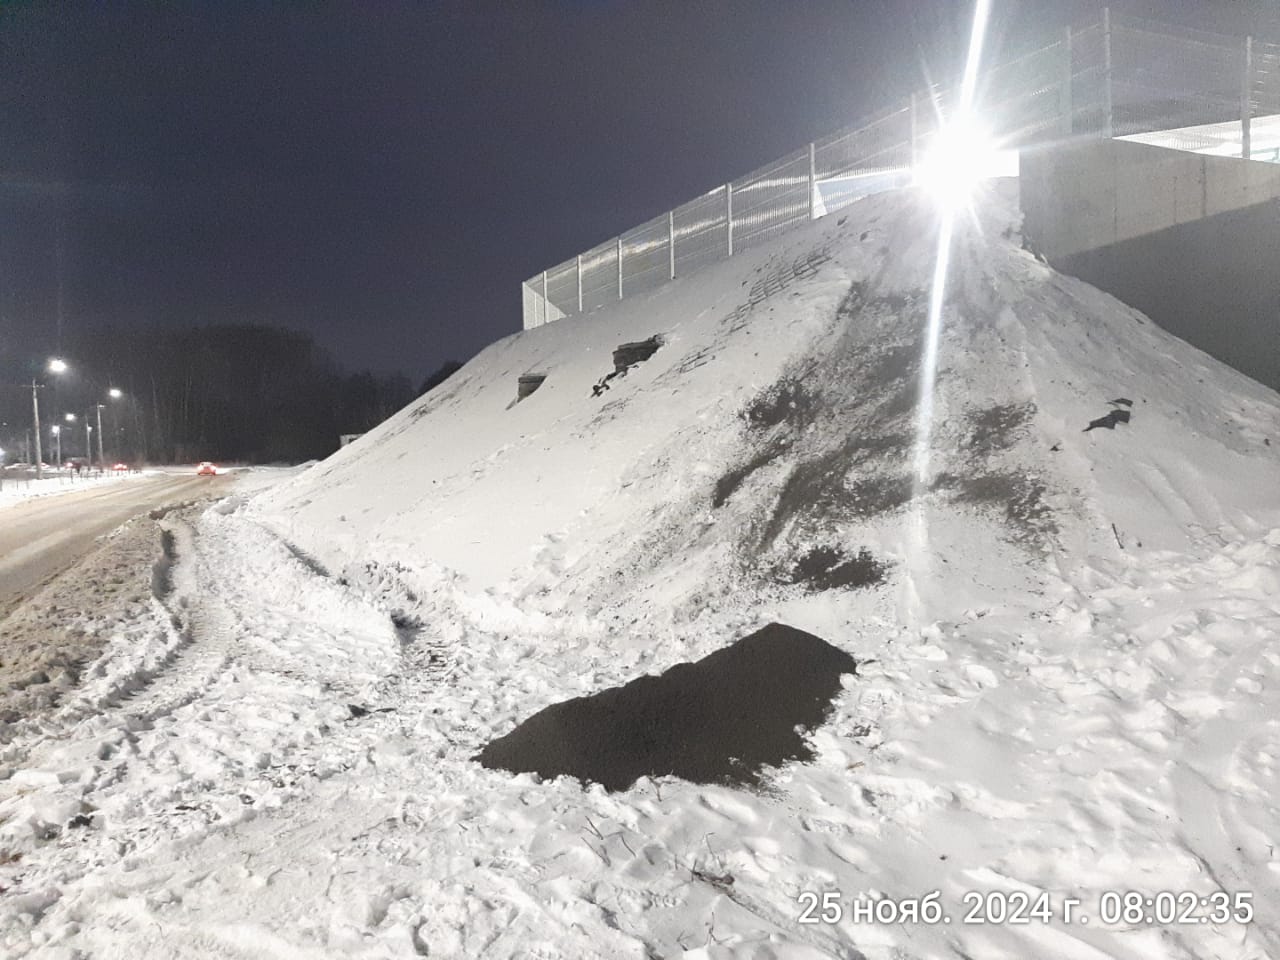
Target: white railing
[[1117, 77]]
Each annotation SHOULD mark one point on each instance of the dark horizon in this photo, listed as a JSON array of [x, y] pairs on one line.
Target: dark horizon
[[383, 177]]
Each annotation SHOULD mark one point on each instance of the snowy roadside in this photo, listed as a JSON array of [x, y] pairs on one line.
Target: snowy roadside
[[16, 491], [286, 768], [47, 643]]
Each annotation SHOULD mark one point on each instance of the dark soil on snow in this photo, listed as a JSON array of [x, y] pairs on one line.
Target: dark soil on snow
[[826, 568], [721, 719]]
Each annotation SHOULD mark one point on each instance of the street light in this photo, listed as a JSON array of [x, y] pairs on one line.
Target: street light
[[57, 436], [54, 366], [115, 393], [102, 461]]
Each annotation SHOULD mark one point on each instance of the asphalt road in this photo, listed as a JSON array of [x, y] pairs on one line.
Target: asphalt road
[[41, 537]]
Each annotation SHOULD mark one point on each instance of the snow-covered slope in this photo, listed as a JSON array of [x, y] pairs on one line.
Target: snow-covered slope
[[780, 414], [1068, 684]]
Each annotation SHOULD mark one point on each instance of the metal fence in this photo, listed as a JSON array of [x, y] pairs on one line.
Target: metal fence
[[1117, 77]]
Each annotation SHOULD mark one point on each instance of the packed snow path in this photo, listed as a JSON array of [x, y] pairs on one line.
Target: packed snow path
[[213, 792]]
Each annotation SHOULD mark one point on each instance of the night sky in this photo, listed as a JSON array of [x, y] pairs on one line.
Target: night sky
[[384, 175]]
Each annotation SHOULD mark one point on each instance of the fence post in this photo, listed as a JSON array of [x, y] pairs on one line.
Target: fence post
[[813, 182], [619, 268], [1064, 99], [546, 313], [1108, 128], [671, 240], [1246, 107], [579, 283], [728, 214]]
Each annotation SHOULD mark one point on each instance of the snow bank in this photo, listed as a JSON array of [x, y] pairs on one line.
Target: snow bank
[[1067, 669], [780, 414]]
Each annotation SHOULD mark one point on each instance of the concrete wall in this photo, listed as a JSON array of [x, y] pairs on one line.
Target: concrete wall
[[1090, 194], [1214, 282]]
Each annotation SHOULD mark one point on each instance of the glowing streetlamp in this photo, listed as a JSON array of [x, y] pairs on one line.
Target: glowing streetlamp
[[53, 366], [57, 437]]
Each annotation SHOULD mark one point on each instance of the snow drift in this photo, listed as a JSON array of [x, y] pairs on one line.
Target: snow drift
[[1068, 679], [778, 418]]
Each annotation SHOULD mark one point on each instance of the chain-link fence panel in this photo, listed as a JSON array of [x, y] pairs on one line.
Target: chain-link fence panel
[[701, 233], [1264, 90], [1117, 78], [856, 163], [562, 287], [537, 308], [532, 303], [600, 275], [1027, 98], [770, 200], [1089, 105], [1166, 81], [646, 257]]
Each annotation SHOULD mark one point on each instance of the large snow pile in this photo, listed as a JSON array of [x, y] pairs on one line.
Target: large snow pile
[[1068, 674]]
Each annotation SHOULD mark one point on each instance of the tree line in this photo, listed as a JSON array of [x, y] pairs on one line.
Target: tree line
[[237, 392]]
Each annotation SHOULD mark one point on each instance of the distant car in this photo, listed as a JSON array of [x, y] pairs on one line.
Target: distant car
[[121, 468], [207, 469]]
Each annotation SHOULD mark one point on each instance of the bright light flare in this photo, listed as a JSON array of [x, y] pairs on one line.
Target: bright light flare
[[958, 159], [70, 417], [57, 366], [115, 393], [962, 155]]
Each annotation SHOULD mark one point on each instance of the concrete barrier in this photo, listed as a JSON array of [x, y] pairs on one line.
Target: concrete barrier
[[1192, 241], [1085, 195]]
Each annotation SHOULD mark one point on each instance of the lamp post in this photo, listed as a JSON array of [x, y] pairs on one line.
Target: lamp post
[[88, 441], [102, 462], [54, 366], [57, 438], [69, 418]]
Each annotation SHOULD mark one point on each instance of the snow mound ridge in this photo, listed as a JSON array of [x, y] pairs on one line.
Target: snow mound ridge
[[779, 419]]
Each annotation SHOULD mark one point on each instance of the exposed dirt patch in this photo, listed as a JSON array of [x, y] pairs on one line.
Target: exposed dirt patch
[[826, 568], [878, 495], [997, 428], [728, 484], [820, 487], [1021, 495], [625, 357], [785, 402], [722, 719]]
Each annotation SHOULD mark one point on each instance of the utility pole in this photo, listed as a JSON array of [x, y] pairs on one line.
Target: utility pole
[[35, 416], [102, 461]]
